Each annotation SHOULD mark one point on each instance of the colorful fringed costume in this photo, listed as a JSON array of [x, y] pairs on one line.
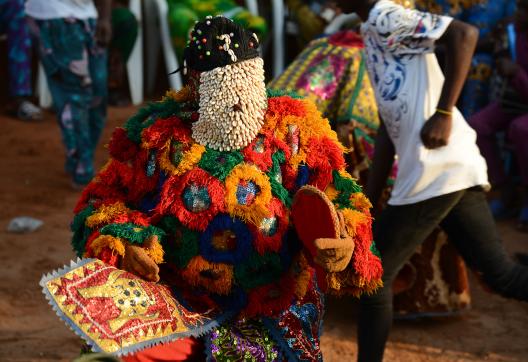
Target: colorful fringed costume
[[217, 215]]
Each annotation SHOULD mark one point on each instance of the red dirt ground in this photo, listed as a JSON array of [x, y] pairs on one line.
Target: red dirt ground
[[33, 183]]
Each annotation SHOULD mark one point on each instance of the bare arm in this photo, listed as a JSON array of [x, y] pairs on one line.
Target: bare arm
[[103, 32], [459, 40], [381, 165]]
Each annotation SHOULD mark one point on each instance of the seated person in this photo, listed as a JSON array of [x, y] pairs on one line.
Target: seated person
[[498, 116], [13, 24]]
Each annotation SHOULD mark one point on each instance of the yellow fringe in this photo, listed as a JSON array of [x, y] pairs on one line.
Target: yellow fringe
[[107, 241], [259, 209], [106, 214], [182, 95], [352, 219], [348, 283], [360, 201], [189, 159], [155, 251], [331, 192]]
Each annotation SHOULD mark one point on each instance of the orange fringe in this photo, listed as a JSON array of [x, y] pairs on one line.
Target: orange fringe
[[116, 245], [107, 214], [155, 251], [197, 264]]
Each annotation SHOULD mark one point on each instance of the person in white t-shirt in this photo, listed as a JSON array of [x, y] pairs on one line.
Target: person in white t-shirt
[[441, 175], [71, 38]]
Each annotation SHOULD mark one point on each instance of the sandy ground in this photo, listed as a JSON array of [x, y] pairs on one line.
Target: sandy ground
[[33, 183]]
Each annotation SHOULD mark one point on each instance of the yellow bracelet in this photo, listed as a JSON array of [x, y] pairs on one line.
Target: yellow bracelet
[[444, 112]]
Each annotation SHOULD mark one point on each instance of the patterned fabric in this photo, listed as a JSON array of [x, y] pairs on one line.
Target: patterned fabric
[[118, 312], [243, 341], [299, 328], [433, 282], [13, 24], [184, 13], [76, 71], [331, 72], [219, 245]]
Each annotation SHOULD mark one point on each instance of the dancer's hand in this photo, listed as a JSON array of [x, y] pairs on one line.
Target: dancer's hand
[[436, 131], [334, 254], [137, 261]]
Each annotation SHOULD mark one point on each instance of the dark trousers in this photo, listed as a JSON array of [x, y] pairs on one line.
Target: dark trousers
[[466, 218]]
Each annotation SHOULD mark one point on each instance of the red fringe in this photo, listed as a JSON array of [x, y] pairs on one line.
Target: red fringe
[[262, 160], [172, 202], [367, 265], [263, 243], [285, 106], [260, 303], [140, 184], [324, 156], [121, 147], [157, 135]]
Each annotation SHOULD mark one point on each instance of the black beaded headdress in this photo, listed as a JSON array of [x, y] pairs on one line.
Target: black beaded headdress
[[217, 42]]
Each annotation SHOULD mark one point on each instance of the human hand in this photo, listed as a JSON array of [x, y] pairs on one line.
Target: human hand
[[506, 67], [137, 261], [436, 131], [334, 254], [103, 32]]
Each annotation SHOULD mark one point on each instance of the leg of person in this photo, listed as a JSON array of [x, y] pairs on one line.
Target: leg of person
[[471, 228], [518, 134], [19, 48], [13, 21], [62, 51], [98, 68], [397, 232]]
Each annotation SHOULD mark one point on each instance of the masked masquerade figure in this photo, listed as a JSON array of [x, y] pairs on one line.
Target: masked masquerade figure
[[198, 193]]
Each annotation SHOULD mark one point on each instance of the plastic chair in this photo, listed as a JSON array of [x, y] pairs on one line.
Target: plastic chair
[[135, 62], [278, 12], [134, 67]]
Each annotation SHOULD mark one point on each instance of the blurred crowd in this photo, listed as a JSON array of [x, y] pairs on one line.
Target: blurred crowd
[[83, 47]]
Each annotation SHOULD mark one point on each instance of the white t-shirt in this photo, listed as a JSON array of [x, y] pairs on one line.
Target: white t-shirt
[[54, 9], [407, 81]]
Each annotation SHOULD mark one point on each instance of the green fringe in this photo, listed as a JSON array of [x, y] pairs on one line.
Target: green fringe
[[346, 188], [80, 231], [374, 250], [183, 247], [280, 192], [258, 270], [279, 93], [276, 187], [146, 116], [209, 162], [126, 231]]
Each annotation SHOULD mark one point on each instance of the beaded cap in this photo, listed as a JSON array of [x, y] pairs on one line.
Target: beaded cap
[[217, 42]]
